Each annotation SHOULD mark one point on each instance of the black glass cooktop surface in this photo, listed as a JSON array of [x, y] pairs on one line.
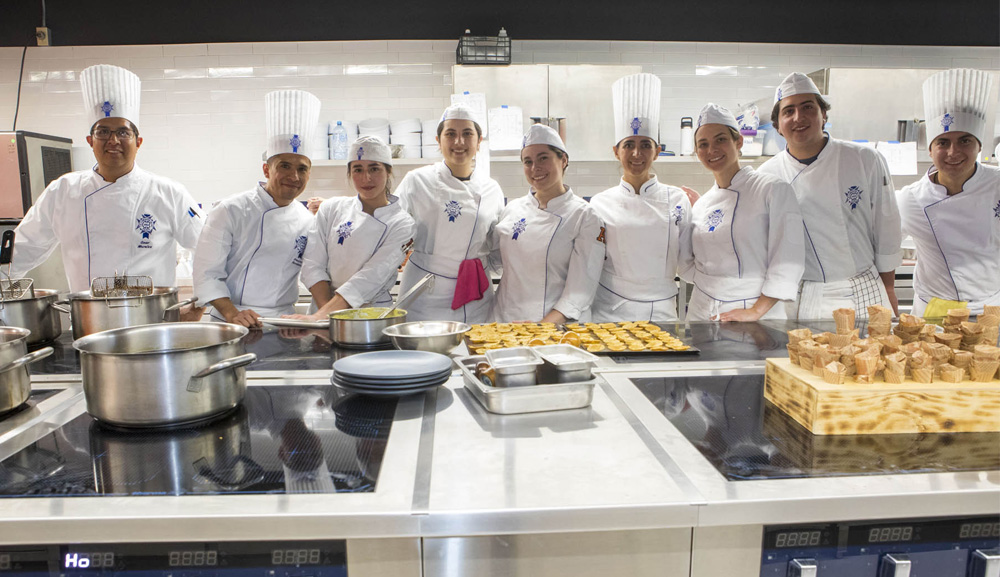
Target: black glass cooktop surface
[[745, 437], [282, 439]]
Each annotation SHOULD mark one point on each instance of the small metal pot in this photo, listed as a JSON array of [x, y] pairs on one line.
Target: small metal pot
[[92, 314], [35, 314], [348, 332], [15, 383], [163, 374]]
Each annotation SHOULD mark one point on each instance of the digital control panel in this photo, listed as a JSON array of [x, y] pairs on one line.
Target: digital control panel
[[217, 559], [952, 547]]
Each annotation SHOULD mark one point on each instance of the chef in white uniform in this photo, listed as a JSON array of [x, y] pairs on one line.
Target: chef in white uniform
[[953, 211], [357, 243], [746, 252], [455, 208], [848, 207], [248, 258], [643, 217], [549, 242], [114, 218]]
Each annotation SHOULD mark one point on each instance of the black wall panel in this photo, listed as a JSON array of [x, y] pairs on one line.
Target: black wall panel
[[907, 22]]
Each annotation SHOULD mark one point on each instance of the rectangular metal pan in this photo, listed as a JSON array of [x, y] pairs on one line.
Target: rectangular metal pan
[[545, 396]]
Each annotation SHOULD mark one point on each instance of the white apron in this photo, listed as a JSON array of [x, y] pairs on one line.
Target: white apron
[[453, 221], [251, 252], [551, 257], [957, 239], [357, 253], [643, 242]]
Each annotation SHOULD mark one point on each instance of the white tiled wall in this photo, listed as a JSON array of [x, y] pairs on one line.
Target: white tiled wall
[[202, 104]]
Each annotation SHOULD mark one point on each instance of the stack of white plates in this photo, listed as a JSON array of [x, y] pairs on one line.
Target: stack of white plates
[[391, 373], [405, 138], [430, 127]]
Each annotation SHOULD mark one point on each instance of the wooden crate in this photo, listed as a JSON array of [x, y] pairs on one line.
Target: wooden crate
[[881, 408]]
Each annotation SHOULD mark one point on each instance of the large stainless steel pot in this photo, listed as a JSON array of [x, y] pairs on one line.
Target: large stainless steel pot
[[165, 374], [35, 314], [92, 314], [346, 331], [15, 383], [208, 459]]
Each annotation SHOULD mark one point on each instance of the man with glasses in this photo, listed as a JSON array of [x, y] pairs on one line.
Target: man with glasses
[[114, 218]]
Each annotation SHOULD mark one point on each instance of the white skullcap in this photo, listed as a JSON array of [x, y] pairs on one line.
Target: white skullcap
[[795, 83], [459, 112], [541, 134], [715, 114], [636, 101], [370, 148], [110, 92], [956, 101], [292, 116]]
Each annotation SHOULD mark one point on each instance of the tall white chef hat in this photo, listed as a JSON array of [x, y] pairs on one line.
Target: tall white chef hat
[[110, 92], [636, 100], [956, 101], [715, 114], [541, 134], [370, 148], [459, 112], [291, 117], [795, 83]]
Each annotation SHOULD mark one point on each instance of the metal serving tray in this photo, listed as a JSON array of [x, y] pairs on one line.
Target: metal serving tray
[[529, 399], [513, 361], [570, 363]]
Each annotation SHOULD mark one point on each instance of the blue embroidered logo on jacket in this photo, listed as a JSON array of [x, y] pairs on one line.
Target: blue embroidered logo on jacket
[[295, 142], [344, 231], [106, 108], [300, 249], [145, 224], [947, 120], [519, 227], [714, 219], [453, 210], [853, 195], [678, 214], [635, 125], [996, 210]]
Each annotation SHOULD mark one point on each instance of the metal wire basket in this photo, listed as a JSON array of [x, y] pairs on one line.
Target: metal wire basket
[[121, 286]]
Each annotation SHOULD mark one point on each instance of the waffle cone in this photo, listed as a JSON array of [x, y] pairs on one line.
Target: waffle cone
[[992, 310], [794, 336], [922, 375], [893, 376], [844, 319], [962, 359], [986, 353], [952, 374], [982, 372], [833, 373]]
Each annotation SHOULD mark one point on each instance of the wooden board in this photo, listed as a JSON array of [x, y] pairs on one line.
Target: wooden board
[[881, 408]]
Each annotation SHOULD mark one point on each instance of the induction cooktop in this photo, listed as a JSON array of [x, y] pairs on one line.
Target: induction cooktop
[[282, 439], [746, 438]]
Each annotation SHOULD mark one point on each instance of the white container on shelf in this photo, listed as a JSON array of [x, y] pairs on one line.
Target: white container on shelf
[[410, 152], [430, 151], [405, 126], [406, 139], [373, 126], [430, 127]]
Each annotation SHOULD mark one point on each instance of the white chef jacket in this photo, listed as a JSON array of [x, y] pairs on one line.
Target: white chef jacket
[[851, 222], [357, 253], [643, 236], [746, 240], [453, 219], [129, 226], [551, 258], [251, 252], [957, 239]]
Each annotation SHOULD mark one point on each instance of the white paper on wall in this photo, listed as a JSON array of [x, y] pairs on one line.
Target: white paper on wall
[[477, 102], [900, 156], [506, 127]]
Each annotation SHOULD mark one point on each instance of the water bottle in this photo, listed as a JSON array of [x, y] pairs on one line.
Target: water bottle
[[340, 144], [687, 136]]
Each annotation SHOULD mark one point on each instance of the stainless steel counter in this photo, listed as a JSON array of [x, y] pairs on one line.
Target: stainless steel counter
[[454, 471]]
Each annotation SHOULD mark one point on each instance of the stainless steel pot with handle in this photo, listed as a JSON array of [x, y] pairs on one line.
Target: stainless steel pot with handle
[[15, 383], [35, 314], [92, 314], [163, 374]]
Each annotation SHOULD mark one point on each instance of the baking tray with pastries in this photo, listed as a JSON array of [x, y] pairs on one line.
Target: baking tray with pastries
[[622, 338]]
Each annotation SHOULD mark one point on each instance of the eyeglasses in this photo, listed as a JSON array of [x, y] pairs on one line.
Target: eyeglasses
[[102, 133]]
